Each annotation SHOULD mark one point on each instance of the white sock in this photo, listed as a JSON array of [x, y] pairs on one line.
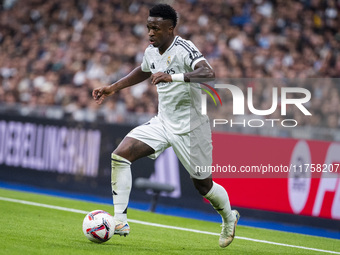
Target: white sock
[[219, 199], [121, 183]]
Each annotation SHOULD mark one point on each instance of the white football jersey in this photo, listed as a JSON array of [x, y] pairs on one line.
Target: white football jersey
[[179, 103]]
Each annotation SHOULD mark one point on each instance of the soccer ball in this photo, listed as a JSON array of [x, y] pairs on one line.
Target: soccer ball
[[98, 226]]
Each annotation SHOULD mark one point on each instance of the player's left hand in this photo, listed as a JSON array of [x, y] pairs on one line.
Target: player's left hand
[[160, 77]]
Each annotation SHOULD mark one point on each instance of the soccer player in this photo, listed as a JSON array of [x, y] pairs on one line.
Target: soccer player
[[172, 63]]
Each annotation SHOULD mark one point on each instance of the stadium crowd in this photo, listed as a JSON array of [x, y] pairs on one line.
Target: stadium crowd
[[53, 53]]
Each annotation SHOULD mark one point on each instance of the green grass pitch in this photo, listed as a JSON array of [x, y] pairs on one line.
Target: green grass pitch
[[28, 229]]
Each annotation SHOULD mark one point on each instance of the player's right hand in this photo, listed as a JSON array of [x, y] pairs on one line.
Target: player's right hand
[[99, 94]]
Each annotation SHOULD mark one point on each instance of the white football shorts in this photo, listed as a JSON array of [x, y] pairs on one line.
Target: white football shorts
[[193, 149]]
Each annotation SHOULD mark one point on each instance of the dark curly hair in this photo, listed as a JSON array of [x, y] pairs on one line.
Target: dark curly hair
[[164, 11]]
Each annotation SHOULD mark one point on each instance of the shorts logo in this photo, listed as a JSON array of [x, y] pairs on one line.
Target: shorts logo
[[152, 66]]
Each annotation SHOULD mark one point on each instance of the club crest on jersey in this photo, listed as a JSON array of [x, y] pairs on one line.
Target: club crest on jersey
[[168, 61]]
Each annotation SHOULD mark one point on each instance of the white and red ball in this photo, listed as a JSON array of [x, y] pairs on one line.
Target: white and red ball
[[98, 226]]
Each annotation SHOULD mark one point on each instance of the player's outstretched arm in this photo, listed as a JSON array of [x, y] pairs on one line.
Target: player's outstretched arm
[[202, 72], [135, 77]]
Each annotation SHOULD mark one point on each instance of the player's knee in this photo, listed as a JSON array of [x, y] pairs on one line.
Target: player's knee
[[116, 159], [118, 152], [124, 153]]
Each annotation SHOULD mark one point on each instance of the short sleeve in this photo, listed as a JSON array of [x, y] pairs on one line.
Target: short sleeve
[[145, 66], [193, 55]]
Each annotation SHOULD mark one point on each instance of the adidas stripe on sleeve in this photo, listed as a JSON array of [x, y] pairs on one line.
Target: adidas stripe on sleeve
[[192, 55]]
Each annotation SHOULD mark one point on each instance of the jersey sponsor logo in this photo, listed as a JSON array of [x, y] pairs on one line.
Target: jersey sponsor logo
[[170, 71]]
